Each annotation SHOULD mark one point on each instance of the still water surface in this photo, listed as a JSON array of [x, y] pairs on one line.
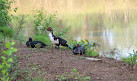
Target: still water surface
[[116, 34]]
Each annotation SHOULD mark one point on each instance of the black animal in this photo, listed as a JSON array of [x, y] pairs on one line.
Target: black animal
[[78, 49], [34, 44], [55, 39]]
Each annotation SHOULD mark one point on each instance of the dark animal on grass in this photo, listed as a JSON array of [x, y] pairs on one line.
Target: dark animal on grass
[[56, 40], [78, 49], [35, 44]]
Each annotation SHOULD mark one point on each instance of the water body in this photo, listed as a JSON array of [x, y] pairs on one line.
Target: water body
[[112, 23], [116, 34]]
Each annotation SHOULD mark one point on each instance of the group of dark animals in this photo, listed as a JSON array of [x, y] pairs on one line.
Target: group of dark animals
[[78, 49]]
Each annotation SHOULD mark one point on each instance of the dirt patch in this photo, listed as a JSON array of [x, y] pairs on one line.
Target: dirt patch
[[55, 62]]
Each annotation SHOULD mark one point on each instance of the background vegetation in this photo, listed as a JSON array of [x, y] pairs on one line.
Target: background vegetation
[[19, 27]]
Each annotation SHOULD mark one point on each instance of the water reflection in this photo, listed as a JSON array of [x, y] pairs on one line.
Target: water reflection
[[116, 34], [108, 37]]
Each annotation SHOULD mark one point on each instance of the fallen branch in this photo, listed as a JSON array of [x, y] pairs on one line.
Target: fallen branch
[[93, 59]]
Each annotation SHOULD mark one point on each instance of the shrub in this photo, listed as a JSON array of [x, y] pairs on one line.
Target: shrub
[[5, 18], [131, 60], [4, 12], [7, 32], [42, 22], [6, 57], [89, 47]]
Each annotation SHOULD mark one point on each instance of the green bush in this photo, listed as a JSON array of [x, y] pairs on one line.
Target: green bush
[[89, 46], [7, 32], [5, 18], [4, 12], [6, 61], [43, 21], [131, 60]]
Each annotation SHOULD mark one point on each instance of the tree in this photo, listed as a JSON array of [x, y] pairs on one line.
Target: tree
[[4, 12]]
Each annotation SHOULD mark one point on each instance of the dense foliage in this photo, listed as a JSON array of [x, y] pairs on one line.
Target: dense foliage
[[6, 61], [5, 18], [43, 21], [4, 12], [7, 32]]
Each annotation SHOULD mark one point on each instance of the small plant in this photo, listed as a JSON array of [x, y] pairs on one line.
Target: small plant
[[38, 79], [73, 75], [131, 60], [89, 47], [43, 21], [7, 59], [26, 74], [14, 69]]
